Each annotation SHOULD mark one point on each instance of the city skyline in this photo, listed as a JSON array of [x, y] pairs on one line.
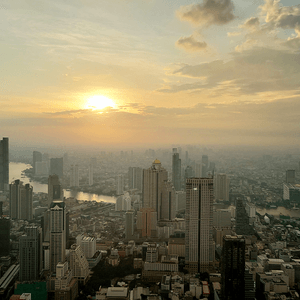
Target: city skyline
[[209, 72]]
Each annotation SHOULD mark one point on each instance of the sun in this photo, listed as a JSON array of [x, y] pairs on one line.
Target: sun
[[99, 102]]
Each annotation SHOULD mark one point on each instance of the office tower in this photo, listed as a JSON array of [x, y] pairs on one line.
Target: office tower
[[135, 176], [153, 183], [222, 218], [87, 244], [188, 173], [56, 167], [74, 176], [221, 187], [146, 222], [176, 170], [123, 202], [167, 209], [4, 236], [290, 176], [198, 170], [180, 201], [91, 175], [199, 217], [4, 164], [30, 254], [204, 166], [119, 184], [57, 233], [242, 226], [249, 285], [37, 157], [79, 264], [55, 191], [129, 225], [21, 201], [233, 268]]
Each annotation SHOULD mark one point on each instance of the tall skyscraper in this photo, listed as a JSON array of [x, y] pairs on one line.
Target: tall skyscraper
[[4, 236], [167, 209], [188, 173], [199, 217], [37, 157], [233, 268], [221, 187], [146, 222], [119, 184], [21, 201], [176, 170], [290, 176], [135, 176], [30, 254], [242, 226], [58, 223], [74, 175], [55, 190], [57, 167], [204, 165], [4, 164]]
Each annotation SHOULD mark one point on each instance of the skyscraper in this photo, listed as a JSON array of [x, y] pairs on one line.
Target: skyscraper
[[36, 157], [57, 233], [176, 170], [21, 201], [4, 236], [204, 165], [135, 176], [146, 222], [4, 164], [167, 209], [74, 175], [30, 254], [119, 184], [242, 226], [221, 187], [199, 216], [55, 191], [233, 268], [56, 167]]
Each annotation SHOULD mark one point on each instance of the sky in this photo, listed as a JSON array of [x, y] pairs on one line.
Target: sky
[[211, 72]]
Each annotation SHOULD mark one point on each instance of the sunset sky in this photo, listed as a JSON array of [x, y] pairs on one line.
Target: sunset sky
[[215, 72]]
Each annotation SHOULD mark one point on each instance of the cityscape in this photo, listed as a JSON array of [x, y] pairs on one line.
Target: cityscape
[[149, 150], [180, 223]]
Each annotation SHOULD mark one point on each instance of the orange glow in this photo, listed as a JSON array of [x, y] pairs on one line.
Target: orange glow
[[99, 102]]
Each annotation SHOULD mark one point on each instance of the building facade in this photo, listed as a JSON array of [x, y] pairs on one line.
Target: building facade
[[176, 170], [4, 164]]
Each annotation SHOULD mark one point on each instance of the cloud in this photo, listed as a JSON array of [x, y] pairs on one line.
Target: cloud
[[191, 44], [234, 33], [210, 12], [251, 24], [251, 71]]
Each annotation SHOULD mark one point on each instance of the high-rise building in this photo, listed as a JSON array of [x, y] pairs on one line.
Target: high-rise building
[[4, 164], [55, 190], [167, 209], [221, 187], [119, 184], [135, 176], [74, 176], [242, 224], [290, 176], [153, 183], [176, 170], [123, 202], [233, 268], [129, 225], [4, 236], [87, 244], [91, 175], [21, 201], [57, 167], [199, 217], [79, 264], [188, 173], [58, 223], [30, 254], [146, 222], [204, 165], [36, 157]]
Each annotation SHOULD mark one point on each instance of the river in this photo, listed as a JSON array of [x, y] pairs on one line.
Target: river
[[15, 172]]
